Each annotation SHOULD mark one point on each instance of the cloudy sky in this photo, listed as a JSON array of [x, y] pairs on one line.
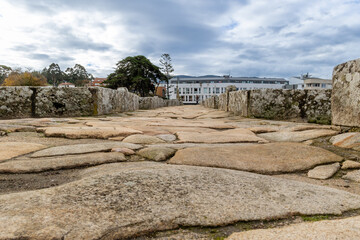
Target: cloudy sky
[[277, 38]]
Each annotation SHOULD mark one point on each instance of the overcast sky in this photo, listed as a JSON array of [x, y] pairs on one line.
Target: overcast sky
[[265, 38]]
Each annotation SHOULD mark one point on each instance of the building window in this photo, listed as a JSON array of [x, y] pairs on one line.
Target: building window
[[205, 90], [190, 98], [195, 90], [182, 98], [316, 84], [323, 85], [199, 90], [217, 90], [187, 90]]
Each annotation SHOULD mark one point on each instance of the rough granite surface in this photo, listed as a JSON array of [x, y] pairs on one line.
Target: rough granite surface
[[345, 100], [121, 200]]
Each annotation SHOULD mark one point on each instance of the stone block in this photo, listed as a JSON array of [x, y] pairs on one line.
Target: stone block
[[316, 107], [223, 101], [276, 104], [62, 102], [238, 103], [15, 102], [107, 101], [345, 100]]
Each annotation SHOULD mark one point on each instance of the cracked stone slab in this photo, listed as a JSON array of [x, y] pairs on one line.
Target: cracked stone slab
[[89, 132], [83, 148], [344, 229], [353, 176], [227, 136], [347, 140], [61, 162], [349, 164], [324, 172], [157, 153], [297, 136], [269, 158], [143, 139], [167, 137], [16, 128], [191, 145], [122, 200], [10, 150], [195, 124]]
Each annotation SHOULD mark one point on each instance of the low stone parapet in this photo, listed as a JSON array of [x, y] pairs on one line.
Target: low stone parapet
[[26, 102], [277, 104], [156, 102]]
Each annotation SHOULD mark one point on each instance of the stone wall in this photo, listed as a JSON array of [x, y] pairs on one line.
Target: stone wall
[[24, 102], [345, 101], [277, 104]]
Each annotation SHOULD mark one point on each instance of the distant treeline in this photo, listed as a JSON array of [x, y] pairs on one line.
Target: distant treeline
[[51, 75]]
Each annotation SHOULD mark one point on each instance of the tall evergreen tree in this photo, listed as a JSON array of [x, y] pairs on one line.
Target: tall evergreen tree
[[167, 68], [78, 75], [53, 74], [137, 74]]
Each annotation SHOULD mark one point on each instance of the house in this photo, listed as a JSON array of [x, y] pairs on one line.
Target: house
[[161, 92], [317, 83], [305, 81], [97, 82], [66, 85]]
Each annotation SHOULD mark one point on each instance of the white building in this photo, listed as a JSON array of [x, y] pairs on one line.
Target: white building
[[196, 89], [308, 82], [66, 85]]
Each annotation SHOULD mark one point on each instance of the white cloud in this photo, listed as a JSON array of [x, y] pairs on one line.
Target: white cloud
[[246, 38]]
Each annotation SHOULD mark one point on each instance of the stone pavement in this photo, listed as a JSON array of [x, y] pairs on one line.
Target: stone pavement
[[147, 174]]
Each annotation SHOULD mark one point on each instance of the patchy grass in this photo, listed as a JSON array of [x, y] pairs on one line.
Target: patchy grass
[[219, 238], [355, 129]]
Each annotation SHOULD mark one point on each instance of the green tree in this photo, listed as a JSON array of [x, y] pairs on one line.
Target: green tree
[[137, 74], [53, 74], [78, 75], [4, 72], [167, 68]]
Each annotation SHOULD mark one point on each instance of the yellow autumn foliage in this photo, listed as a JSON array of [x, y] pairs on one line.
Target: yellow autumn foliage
[[24, 79]]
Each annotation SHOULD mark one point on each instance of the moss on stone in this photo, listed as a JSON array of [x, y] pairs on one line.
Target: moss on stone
[[322, 119], [315, 218]]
